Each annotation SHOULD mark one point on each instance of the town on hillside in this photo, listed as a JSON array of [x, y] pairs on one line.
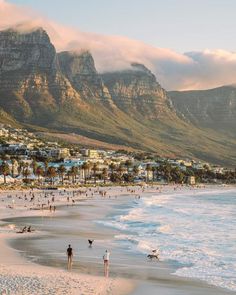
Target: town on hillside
[[28, 160]]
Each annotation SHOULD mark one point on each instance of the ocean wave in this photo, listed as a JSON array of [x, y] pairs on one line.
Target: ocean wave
[[194, 228], [211, 275]]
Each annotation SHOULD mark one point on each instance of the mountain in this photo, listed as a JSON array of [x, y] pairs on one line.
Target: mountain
[[63, 92], [31, 88], [214, 108], [137, 92], [81, 72]]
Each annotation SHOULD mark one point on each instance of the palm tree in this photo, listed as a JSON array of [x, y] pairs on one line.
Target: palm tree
[[104, 174], [13, 161], [5, 170], [4, 157], [166, 171], [120, 171], [157, 172], [61, 171], [74, 171], [128, 164], [20, 167], [153, 173], [51, 173], [85, 168], [95, 169], [89, 169], [39, 172], [148, 169], [34, 166], [26, 172], [112, 167], [135, 170], [180, 177], [46, 163]]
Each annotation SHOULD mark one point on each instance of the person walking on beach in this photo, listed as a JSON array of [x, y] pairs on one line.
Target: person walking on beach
[[69, 256], [106, 258]]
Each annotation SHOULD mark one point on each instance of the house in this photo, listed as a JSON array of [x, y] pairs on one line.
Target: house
[[191, 180], [92, 154], [59, 153]]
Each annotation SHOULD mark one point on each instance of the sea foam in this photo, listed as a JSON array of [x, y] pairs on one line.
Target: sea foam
[[197, 229]]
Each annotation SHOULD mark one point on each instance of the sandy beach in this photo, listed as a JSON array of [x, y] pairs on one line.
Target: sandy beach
[[21, 275], [18, 276]]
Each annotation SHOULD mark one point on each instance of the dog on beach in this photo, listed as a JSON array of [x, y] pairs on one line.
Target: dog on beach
[[153, 255], [90, 242]]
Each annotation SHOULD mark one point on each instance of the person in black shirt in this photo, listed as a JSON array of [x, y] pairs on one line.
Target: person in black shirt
[[69, 256]]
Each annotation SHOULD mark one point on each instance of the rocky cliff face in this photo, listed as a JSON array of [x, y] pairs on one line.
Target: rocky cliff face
[[36, 82], [80, 70], [28, 53], [31, 87], [214, 108], [137, 90]]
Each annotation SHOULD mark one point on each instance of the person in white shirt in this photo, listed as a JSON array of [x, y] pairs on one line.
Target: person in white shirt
[[106, 258]]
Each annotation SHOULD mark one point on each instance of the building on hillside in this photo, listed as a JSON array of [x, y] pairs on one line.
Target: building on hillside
[[191, 180], [14, 148], [217, 169], [59, 153], [93, 154], [84, 152]]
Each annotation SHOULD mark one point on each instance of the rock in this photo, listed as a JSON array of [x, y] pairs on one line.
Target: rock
[[80, 70], [137, 89], [31, 87]]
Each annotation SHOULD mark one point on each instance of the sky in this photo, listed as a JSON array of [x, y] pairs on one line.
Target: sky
[[188, 44], [182, 25]]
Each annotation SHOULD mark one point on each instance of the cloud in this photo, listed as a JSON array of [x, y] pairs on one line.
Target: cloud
[[175, 71]]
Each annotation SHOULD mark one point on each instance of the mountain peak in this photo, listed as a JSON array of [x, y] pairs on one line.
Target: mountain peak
[[26, 51], [17, 34], [76, 63], [79, 69], [140, 67]]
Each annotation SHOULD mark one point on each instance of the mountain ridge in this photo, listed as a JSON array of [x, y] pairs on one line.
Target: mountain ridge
[[64, 92], [211, 108]]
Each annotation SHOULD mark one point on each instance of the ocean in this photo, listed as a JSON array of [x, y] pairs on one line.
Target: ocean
[[195, 229]]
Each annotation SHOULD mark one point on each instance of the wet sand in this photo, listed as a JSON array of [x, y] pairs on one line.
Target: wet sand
[[19, 275]]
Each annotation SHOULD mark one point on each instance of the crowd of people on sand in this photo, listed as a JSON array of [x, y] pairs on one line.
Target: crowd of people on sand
[[44, 199], [25, 229]]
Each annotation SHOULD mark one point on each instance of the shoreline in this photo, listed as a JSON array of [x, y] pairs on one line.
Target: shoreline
[[17, 271], [16, 188], [19, 276], [163, 284]]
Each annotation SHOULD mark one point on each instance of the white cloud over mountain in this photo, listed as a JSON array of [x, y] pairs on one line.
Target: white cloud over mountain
[[191, 70]]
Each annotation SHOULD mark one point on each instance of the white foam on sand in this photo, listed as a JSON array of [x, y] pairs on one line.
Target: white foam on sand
[[196, 228]]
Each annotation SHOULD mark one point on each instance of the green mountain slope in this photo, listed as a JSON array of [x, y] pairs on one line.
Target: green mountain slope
[[213, 108]]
